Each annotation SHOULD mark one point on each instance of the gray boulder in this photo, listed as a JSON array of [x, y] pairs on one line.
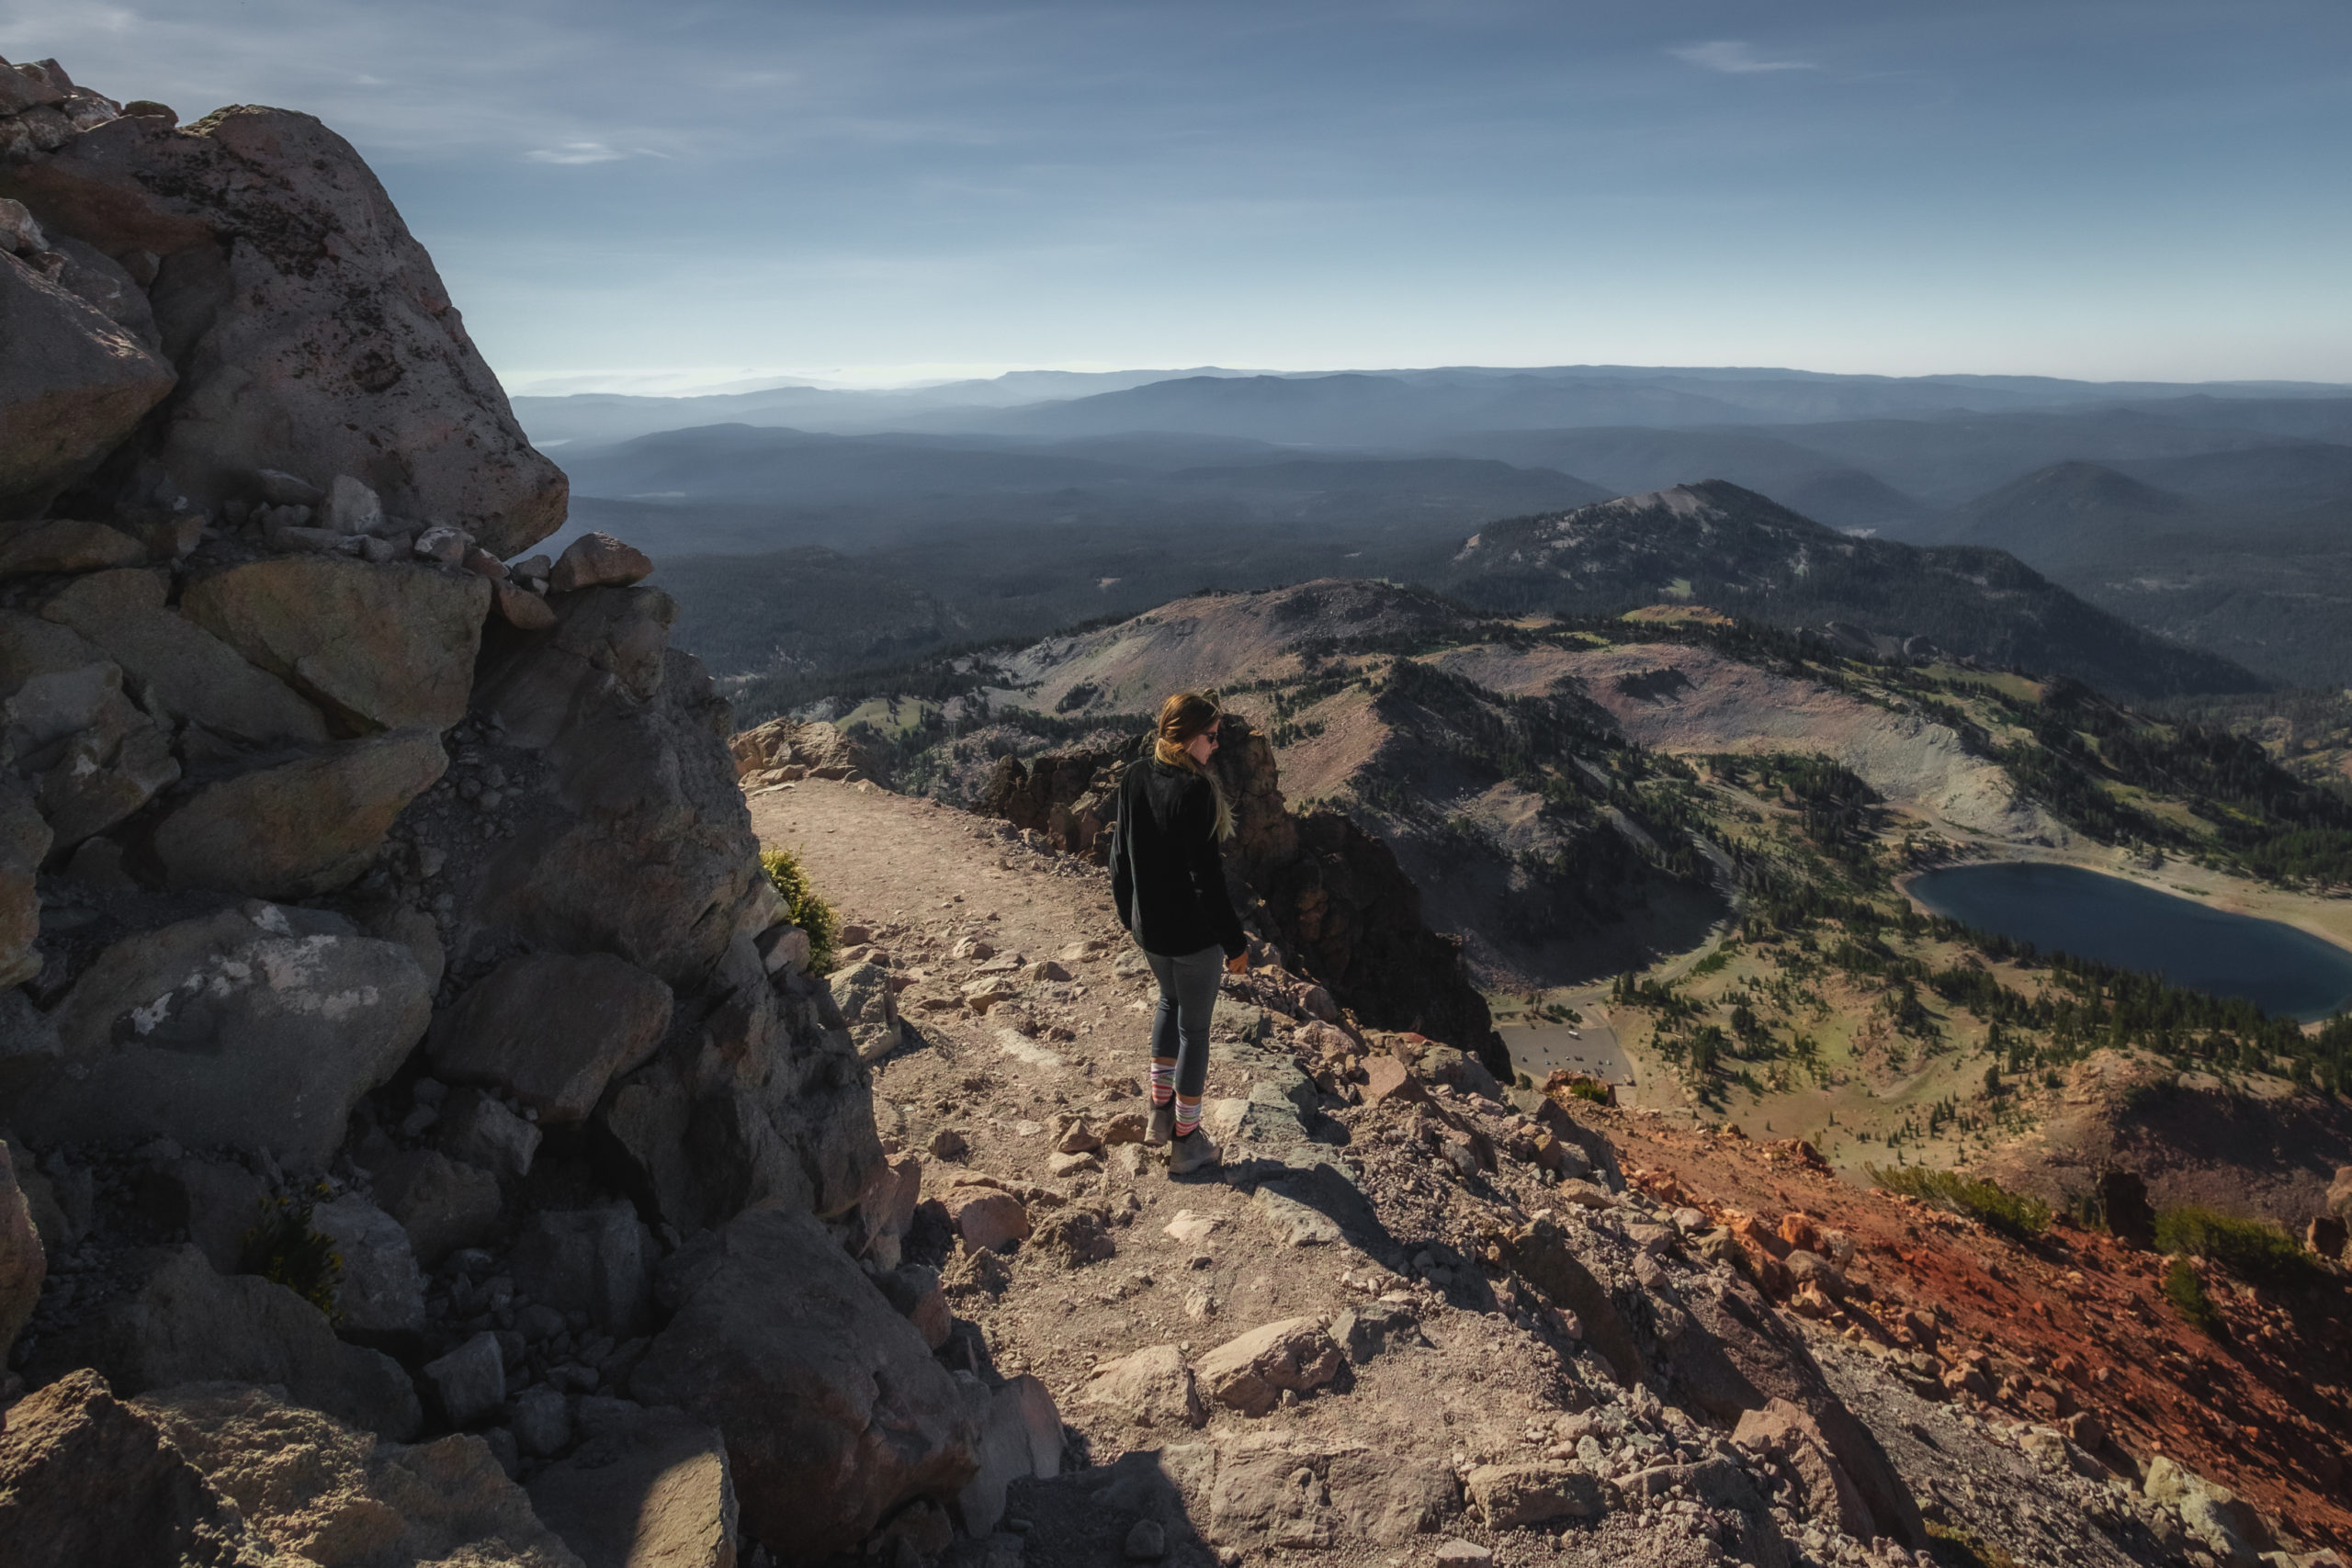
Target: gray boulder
[[478, 1129], [833, 1410], [651, 1490], [181, 671], [218, 1201], [92, 754], [295, 830], [862, 992], [73, 385], [259, 1027], [540, 1420], [1020, 1438], [471, 1380], [553, 1029], [442, 1203], [24, 840], [23, 1262], [183, 1323], [597, 1261], [378, 646], [311, 330], [380, 1290]]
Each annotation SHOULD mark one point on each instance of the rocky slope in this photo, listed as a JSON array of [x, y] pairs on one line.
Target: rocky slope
[[1511, 766], [1420, 1315]]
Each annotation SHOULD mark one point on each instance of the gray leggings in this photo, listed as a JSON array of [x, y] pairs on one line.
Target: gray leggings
[[1181, 1028]]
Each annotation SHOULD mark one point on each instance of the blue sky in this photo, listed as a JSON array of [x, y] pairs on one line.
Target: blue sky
[[686, 194]]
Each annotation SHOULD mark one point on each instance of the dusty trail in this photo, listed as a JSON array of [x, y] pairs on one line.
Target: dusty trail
[[1359, 1214]]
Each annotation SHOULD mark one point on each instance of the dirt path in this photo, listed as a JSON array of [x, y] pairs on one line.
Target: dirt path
[[1362, 1223]]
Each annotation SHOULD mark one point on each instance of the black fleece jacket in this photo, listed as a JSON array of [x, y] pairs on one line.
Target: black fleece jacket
[[1166, 874]]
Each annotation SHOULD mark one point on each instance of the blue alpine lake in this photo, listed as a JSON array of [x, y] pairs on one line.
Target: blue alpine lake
[[2062, 908]]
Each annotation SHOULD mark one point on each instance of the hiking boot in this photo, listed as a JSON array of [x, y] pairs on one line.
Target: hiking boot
[[1193, 1151], [1163, 1126]]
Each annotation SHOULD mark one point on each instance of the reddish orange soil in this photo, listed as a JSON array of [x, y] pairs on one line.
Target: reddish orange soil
[[2069, 1324]]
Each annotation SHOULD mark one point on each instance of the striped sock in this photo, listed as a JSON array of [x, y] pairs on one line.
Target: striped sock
[[1163, 1080], [1188, 1114]]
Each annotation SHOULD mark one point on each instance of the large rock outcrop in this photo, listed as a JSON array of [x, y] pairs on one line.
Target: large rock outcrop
[[383, 997], [304, 321], [1340, 900], [1331, 895]]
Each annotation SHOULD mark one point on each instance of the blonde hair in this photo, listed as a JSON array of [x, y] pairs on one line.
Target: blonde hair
[[1181, 718]]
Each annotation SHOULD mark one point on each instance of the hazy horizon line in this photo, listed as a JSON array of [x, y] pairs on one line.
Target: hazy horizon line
[[885, 379]]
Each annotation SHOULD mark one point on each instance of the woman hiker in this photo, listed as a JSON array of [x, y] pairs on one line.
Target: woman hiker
[[1168, 881]]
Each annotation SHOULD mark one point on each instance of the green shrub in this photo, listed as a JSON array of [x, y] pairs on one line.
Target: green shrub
[[1989, 1203], [2254, 1250], [804, 906], [2187, 1293], [285, 1250], [1590, 1089]]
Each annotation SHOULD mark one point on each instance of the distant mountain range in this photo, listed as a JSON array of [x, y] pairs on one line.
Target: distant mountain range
[[2217, 516], [2245, 557], [1717, 545], [715, 487], [1356, 408]]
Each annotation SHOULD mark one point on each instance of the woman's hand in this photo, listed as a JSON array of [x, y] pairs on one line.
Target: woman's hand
[[1237, 964]]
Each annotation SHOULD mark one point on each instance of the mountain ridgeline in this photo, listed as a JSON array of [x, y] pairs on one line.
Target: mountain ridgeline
[[1716, 544], [2211, 515]]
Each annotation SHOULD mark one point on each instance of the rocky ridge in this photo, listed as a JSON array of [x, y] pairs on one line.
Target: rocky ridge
[[412, 1111]]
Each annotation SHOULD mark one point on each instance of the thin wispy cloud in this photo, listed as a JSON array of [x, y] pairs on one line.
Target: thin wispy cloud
[[1735, 58], [576, 152]]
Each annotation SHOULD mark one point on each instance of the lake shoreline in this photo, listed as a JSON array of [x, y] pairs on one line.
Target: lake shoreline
[[2304, 955]]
